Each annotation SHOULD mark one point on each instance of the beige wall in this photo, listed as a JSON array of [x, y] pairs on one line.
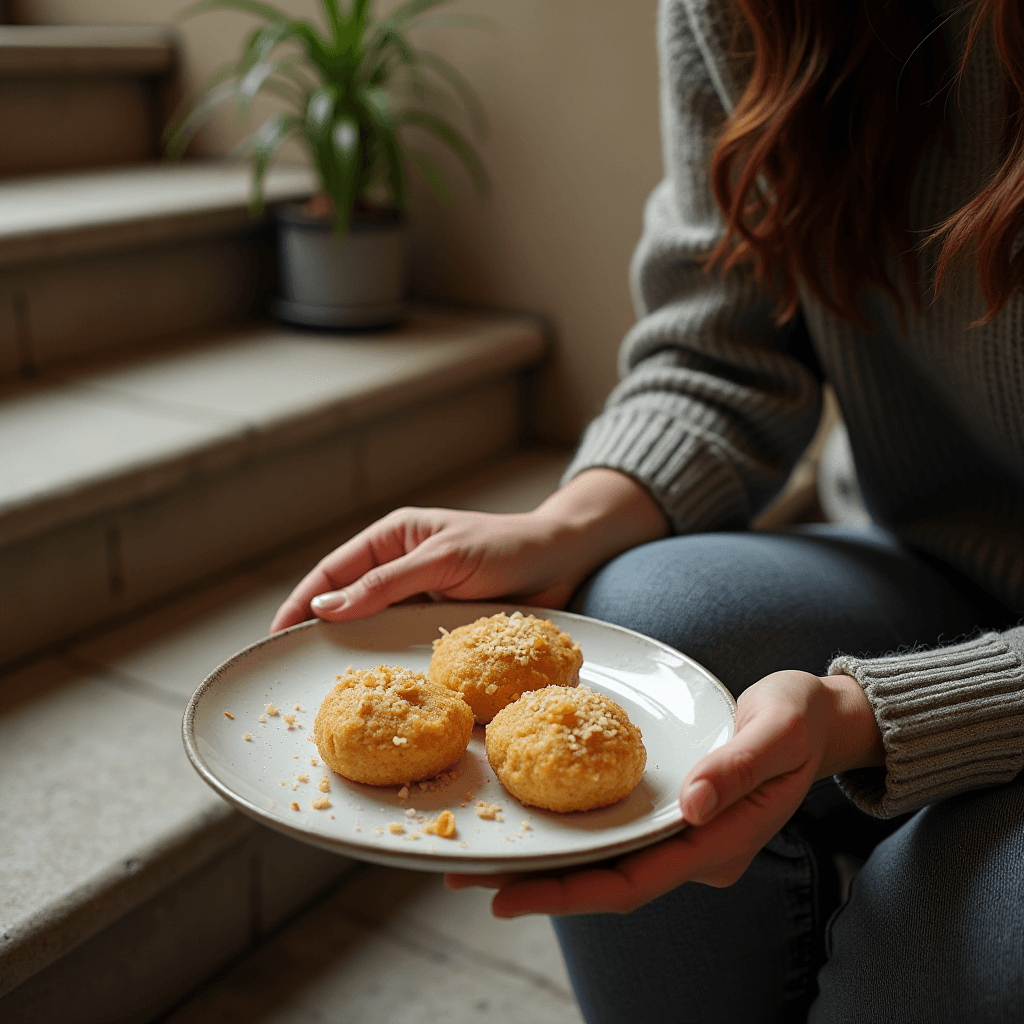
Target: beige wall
[[571, 88]]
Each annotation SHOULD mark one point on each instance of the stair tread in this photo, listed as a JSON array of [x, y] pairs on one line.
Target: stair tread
[[76, 213], [101, 807], [77, 447], [66, 50]]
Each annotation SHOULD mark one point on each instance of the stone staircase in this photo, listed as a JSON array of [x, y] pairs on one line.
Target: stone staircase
[[170, 463]]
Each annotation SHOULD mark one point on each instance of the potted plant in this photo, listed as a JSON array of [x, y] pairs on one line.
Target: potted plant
[[354, 87]]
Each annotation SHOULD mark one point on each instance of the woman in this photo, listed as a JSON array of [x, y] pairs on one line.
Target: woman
[[828, 168]]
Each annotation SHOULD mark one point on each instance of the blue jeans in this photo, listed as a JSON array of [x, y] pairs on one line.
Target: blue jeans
[[932, 930]]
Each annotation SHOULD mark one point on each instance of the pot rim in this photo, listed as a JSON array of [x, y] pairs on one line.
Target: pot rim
[[392, 220]]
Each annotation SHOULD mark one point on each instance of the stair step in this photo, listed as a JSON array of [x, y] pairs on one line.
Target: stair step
[[82, 96], [129, 483], [96, 260], [126, 879]]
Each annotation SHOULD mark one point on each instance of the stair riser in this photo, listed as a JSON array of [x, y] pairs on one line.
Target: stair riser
[[70, 123], [81, 576], [51, 313], [146, 961]]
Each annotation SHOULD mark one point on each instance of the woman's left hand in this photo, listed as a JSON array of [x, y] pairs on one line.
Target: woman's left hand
[[791, 729]]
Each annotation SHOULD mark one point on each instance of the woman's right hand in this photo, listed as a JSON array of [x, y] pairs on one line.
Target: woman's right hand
[[539, 557]]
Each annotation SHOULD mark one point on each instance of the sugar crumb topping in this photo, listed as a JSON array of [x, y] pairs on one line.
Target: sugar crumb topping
[[302, 777], [247, 738], [396, 828], [487, 811], [295, 805], [263, 719], [321, 803], [324, 785], [521, 638], [227, 714], [271, 710]]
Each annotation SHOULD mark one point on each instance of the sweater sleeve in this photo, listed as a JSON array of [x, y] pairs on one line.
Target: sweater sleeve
[[714, 405], [952, 720]]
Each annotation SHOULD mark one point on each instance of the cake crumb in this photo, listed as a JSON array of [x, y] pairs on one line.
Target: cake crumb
[[247, 737], [263, 719], [295, 806], [499, 817], [422, 786], [271, 710], [283, 783], [443, 825], [403, 793], [396, 828], [321, 803], [298, 707], [464, 845], [415, 835], [487, 811], [410, 812], [526, 826], [313, 762], [289, 720], [227, 714], [324, 785], [378, 831]]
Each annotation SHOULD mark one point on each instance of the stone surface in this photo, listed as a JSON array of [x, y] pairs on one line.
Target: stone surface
[[82, 213], [75, 308], [387, 947], [100, 809], [210, 524], [174, 648], [412, 448], [123, 435], [80, 50], [90, 122], [129, 972], [290, 875], [60, 578]]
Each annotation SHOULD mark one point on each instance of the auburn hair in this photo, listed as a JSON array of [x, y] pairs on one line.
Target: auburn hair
[[814, 166]]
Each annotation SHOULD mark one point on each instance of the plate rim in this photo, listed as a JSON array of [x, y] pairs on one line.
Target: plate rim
[[420, 859]]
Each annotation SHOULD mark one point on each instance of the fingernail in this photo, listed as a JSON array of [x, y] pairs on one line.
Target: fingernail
[[700, 803], [331, 602]]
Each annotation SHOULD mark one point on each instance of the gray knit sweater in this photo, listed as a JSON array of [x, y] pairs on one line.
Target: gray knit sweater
[[714, 407]]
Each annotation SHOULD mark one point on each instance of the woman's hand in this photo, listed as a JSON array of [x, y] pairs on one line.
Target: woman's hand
[[540, 557], [791, 729]]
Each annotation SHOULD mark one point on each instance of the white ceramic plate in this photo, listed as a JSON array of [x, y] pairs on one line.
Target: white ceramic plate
[[682, 710]]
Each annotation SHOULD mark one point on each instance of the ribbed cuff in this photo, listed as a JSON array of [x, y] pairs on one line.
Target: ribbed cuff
[[695, 487], [952, 719]]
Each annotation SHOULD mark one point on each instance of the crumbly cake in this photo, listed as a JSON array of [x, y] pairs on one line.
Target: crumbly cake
[[565, 749], [389, 725], [496, 659]]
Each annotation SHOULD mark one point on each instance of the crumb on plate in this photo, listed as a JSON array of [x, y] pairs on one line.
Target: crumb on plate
[[443, 825]]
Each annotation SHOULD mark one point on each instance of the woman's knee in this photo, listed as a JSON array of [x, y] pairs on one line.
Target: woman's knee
[[934, 929]]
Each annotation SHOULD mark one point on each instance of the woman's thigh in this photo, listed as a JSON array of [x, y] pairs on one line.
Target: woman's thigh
[[934, 929], [746, 605]]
